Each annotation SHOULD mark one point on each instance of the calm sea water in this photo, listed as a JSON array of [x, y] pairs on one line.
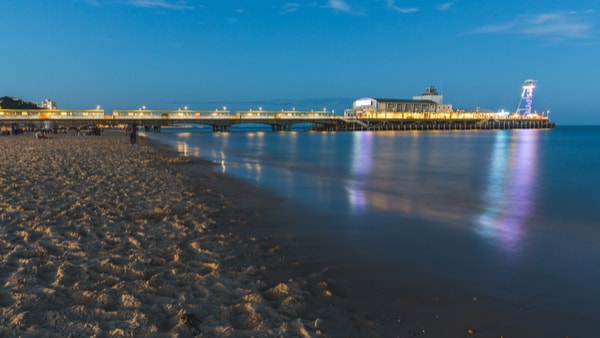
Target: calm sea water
[[510, 215]]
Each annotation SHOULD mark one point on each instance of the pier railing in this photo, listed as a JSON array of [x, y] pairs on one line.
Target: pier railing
[[223, 120], [179, 114], [51, 114]]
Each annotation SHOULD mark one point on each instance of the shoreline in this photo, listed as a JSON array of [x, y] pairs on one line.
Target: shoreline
[[286, 257], [418, 303], [104, 238]]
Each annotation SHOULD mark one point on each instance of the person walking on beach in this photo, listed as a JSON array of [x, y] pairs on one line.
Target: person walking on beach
[[133, 133]]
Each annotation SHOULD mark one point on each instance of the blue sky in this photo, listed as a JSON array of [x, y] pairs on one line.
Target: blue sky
[[166, 54]]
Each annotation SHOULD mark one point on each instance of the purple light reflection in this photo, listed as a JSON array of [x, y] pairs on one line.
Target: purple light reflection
[[510, 185], [362, 144], [357, 198]]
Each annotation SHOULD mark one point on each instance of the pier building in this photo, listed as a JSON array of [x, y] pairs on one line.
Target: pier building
[[431, 94], [429, 101]]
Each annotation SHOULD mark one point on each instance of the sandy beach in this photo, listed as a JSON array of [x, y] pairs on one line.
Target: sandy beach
[[102, 238]]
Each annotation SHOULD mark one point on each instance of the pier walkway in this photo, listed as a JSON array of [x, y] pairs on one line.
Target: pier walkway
[[223, 120]]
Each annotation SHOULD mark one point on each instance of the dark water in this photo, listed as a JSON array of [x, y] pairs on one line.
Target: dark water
[[512, 216]]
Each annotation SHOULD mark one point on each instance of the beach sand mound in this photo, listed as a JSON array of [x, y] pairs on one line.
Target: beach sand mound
[[102, 238]]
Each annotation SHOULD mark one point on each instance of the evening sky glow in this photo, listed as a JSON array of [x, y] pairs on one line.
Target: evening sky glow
[[167, 54]]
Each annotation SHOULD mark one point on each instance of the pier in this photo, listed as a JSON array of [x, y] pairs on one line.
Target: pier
[[456, 121], [223, 120]]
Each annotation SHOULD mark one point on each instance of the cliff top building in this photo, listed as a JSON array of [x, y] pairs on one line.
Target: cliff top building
[[48, 104]]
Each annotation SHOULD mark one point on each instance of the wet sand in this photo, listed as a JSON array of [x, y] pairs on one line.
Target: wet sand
[[102, 238]]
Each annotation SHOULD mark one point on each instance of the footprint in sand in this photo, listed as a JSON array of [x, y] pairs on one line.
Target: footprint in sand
[[6, 299]]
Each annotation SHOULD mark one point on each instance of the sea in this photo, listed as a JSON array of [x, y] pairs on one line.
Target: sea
[[491, 230]]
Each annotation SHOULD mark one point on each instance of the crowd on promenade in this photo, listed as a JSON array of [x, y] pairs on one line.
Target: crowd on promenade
[[42, 132]]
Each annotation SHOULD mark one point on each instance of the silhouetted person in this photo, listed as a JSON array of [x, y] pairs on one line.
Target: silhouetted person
[[133, 133]]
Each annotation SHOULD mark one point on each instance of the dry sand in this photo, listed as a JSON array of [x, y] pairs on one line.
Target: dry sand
[[102, 238]]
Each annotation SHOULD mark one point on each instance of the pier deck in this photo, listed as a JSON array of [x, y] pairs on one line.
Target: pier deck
[[223, 120]]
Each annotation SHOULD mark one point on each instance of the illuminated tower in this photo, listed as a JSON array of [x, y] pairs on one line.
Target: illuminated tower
[[527, 97]]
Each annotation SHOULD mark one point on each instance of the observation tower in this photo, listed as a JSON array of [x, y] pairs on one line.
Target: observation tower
[[526, 101]]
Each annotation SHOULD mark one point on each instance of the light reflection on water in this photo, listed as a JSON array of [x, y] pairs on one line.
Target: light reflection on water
[[408, 173], [412, 174], [509, 197], [362, 152]]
